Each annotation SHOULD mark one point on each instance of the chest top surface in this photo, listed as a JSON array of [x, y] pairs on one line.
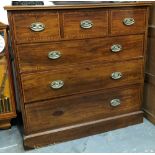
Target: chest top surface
[[77, 5]]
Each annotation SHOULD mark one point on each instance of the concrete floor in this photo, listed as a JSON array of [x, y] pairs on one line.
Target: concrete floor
[[138, 138]]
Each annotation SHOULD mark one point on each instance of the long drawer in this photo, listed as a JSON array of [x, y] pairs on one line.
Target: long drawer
[[80, 79], [57, 54], [72, 110]]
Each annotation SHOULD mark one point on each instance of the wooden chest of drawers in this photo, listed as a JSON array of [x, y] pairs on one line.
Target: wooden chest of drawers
[[79, 68]]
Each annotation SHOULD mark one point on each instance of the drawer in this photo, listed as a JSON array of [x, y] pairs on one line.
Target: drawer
[[79, 79], [36, 26], [85, 24], [74, 110], [35, 57], [131, 21]]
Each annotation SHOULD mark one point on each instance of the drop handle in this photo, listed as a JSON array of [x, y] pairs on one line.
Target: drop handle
[[128, 21], [116, 48], [115, 102], [57, 84], [37, 27], [116, 75], [86, 24], [54, 55]]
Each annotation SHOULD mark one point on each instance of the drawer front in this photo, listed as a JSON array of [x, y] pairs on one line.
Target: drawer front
[[58, 113], [130, 21], [36, 27], [49, 56], [85, 24], [79, 79]]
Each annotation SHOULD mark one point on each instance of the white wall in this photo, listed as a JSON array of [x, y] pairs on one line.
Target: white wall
[[3, 13]]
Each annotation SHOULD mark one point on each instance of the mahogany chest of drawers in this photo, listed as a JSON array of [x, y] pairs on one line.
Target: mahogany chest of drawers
[[79, 68]]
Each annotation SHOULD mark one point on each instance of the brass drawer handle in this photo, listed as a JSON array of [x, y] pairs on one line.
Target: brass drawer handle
[[116, 48], [128, 21], [116, 75], [37, 27], [57, 84], [86, 24], [54, 55], [115, 102]]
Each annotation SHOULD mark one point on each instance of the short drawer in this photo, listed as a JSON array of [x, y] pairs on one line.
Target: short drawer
[[36, 26], [74, 110], [131, 21], [37, 57], [79, 79], [85, 24]]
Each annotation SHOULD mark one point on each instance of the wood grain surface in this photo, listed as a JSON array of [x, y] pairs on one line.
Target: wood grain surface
[[58, 113], [33, 58], [119, 28], [81, 130], [23, 22], [72, 20], [80, 79]]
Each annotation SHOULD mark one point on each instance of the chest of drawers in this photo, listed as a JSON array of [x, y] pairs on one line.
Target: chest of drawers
[[79, 68]]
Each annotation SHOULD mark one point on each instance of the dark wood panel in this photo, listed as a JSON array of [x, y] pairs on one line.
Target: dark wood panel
[[152, 14], [72, 24], [79, 79], [81, 130], [149, 99], [67, 111], [149, 89], [23, 21], [34, 58], [119, 28], [150, 61]]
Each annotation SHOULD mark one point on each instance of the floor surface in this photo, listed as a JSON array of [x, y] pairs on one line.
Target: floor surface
[[138, 138]]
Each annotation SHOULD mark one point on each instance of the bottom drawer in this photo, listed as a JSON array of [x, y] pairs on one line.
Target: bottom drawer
[[76, 109]]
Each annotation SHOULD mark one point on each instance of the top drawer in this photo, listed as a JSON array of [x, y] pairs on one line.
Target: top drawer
[[131, 21], [85, 24], [36, 27]]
